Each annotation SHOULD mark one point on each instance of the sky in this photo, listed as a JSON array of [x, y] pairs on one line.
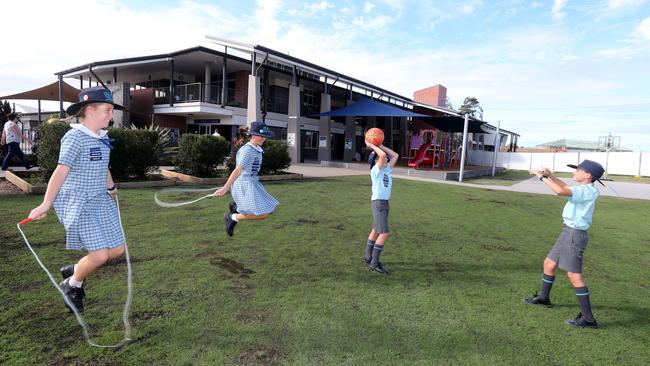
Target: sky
[[546, 70]]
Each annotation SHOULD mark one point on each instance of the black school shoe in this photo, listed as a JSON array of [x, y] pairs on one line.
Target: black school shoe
[[230, 224], [581, 322], [232, 206], [67, 271], [74, 294], [536, 300], [379, 268]]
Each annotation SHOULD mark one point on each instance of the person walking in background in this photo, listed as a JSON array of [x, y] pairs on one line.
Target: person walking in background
[[12, 136]]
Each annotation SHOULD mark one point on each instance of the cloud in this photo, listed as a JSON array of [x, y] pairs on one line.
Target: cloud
[[469, 7], [644, 28], [558, 5], [320, 6], [375, 23], [536, 4], [367, 7], [622, 53], [618, 4]]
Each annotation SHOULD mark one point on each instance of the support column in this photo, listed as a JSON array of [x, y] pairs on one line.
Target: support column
[[224, 82], [325, 134], [403, 132], [293, 124], [350, 137], [61, 111], [207, 82], [254, 112]]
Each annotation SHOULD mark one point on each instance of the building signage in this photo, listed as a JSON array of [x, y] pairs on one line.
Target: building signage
[[322, 141], [291, 139]]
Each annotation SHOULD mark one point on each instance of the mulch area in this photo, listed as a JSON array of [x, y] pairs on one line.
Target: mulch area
[[6, 188]]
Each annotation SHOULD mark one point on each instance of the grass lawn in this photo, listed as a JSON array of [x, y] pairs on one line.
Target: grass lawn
[[507, 178], [511, 177], [293, 290]]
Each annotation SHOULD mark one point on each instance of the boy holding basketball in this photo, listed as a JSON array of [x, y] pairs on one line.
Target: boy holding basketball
[[381, 160]]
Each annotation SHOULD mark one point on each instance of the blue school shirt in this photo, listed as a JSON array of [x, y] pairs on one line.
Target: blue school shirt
[[579, 209], [382, 182]]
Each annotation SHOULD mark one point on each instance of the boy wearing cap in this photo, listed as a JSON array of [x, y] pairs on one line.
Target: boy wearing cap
[[568, 251], [251, 201], [381, 160]]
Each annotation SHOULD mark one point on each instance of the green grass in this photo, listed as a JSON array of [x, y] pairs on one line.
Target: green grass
[[511, 177], [507, 178], [292, 289]]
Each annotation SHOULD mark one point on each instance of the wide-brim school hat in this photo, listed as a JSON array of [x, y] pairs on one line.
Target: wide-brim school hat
[[596, 170], [260, 129], [96, 94]]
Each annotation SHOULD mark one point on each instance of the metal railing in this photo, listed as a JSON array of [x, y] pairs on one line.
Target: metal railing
[[193, 92]]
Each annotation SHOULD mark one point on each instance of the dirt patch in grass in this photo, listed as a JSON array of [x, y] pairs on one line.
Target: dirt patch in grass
[[307, 222], [498, 247], [231, 266], [265, 356], [250, 316], [145, 315]]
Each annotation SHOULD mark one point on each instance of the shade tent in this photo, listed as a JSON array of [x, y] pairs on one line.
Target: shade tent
[[48, 92], [454, 124], [365, 107]]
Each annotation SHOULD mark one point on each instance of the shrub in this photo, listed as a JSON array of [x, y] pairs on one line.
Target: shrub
[[200, 155], [276, 157], [50, 135], [135, 153]]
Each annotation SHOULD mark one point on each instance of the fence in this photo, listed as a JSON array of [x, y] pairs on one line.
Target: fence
[[621, 163]]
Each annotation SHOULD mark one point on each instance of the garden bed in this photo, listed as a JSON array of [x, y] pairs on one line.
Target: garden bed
[[29, 182]]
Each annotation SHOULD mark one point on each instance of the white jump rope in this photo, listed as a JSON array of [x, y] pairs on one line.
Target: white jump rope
[[183, 190], [80, 320]]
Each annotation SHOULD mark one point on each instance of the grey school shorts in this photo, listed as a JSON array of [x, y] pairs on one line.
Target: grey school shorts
[[380, 216], [569, 249]]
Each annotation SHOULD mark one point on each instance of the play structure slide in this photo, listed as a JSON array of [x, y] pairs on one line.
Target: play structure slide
[[420, 156]]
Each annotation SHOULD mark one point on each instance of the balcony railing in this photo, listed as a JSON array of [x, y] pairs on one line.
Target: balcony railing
[[194, 92]]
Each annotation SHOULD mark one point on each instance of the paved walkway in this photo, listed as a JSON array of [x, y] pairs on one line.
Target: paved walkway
[[531, 185]]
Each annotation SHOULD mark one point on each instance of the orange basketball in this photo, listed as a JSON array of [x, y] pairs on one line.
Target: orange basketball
[[375, 136]]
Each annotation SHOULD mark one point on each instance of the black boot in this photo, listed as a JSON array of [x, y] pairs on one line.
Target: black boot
[[67, 271], [232, 206], [230, 224], [74, 294]]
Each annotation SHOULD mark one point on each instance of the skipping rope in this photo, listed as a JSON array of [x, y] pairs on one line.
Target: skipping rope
[[182, 190], [80, 320]]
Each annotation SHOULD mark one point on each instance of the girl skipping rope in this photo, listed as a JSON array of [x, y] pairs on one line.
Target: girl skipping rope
[[82, 190], [250, 199]]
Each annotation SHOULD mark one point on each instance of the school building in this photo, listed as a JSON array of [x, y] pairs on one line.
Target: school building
[[206, 89]]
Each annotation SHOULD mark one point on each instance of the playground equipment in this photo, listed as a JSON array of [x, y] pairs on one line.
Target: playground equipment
[[434, 149]]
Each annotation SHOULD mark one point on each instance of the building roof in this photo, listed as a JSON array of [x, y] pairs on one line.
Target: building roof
[[571, 144]]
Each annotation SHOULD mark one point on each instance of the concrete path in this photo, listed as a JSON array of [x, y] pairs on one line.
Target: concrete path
[[531, 185]]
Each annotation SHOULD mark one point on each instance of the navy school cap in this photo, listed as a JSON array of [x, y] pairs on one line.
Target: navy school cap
[[596, 170]]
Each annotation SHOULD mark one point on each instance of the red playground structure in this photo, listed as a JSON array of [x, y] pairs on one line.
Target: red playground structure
[[434, 149]]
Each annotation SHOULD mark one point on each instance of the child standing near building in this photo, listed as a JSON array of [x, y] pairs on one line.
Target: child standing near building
[[568, 251], [82, 190], [381, 160], [251, 201]]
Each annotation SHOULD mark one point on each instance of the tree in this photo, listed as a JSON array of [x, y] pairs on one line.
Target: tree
[[472, 107]]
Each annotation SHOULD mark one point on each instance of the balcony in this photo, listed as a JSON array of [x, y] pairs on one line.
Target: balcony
[[191, 93]]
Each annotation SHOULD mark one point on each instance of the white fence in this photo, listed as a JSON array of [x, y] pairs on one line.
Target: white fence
[[621, 163]]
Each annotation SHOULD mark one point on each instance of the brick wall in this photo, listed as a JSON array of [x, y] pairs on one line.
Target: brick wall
[[434, 96], [241, 88]]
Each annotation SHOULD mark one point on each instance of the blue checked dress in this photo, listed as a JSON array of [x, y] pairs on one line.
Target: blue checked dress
[[247, 191], [86, 210]]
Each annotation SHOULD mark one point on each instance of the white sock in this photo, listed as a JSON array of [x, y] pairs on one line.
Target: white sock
[[234, 217], [75, 283]]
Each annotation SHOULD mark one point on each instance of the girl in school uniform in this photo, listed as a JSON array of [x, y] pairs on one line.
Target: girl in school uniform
[[81, 190], [251, 201]]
